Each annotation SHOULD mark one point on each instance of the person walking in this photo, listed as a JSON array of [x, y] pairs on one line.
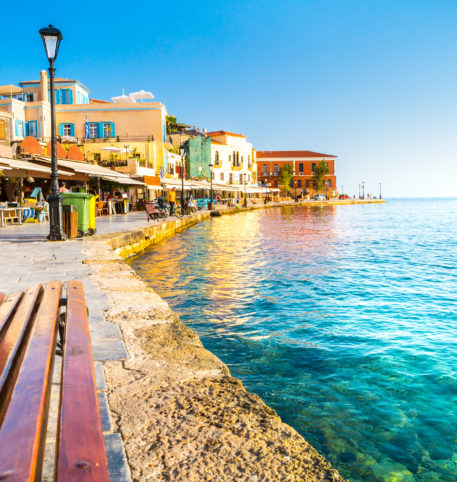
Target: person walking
[[172, 200], [63, 188]]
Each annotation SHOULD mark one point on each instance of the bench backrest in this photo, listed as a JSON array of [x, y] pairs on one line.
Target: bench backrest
[[29, 327]]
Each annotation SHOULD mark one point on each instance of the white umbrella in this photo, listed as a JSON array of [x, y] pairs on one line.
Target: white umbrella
[[123, 99], [141, 94], [124, 150], [111, 149]]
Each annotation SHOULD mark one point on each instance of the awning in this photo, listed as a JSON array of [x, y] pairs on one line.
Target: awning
[[29, 166], [91, 169], [10, 89]]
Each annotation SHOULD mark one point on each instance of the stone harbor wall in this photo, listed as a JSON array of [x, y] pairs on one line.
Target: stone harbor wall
[[180, 414]]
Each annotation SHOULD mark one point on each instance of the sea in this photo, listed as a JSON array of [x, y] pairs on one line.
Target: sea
[[342, 318]]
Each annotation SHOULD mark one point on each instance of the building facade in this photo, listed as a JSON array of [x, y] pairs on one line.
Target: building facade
[[304, 162], [94, 125], [233, 159]]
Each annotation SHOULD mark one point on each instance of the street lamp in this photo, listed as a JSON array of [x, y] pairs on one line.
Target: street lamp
[[245, 194], [182, 151], [210, 165], [363, 189], [51, 39], [359, 191], [380, 195]]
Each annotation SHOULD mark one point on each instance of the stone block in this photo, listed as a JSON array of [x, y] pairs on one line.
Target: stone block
[[105, 350], [117, 461]]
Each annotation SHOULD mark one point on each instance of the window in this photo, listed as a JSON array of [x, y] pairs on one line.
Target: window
[[28, 97], [107, 129], [67, 130], [93, 130], [230, 178], [241, 160], [276, 183], [329, 182], [264, 169], [216, 158], [307, 183], [230, 159], [313, 167], [20, 128], [212, 176], [33, 128], [2, 130], [300, 168], [275, 169], [97, 158], [299, 183], [249, 161], [222, 176], [234, 158], [66, 96]]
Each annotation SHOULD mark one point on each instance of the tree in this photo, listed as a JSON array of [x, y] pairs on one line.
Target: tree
[[320, 171], [173, 126], [286, 173]]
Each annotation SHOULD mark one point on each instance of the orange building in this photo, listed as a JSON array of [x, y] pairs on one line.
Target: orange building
[[304, 162]]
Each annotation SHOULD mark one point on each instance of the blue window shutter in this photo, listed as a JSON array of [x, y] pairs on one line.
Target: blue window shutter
[[25, 129], [72, 131], [16, 128], [57, 94], [70, 96], [100, 130], [60, 129], [37, 132], [113, 131]]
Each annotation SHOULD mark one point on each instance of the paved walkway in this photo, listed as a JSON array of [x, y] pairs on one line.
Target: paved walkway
[[28, 258]]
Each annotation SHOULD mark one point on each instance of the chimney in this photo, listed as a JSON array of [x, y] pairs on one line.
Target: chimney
[[44, 85]]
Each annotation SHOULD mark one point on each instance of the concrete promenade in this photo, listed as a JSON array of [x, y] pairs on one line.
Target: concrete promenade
[[27, 258]]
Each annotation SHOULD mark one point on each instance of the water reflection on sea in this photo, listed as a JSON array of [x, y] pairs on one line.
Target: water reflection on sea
[[341, 318]]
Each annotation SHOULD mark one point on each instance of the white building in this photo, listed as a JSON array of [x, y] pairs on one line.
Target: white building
[[233, 159]]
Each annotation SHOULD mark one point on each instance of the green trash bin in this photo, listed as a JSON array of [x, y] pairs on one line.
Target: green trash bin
[[81, 201]]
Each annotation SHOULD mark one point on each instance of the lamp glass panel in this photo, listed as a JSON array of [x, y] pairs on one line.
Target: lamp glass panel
[[51, 45]]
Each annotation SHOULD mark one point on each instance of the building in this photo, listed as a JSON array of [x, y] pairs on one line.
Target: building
[[233, 159], [304, 162], [130, 122]]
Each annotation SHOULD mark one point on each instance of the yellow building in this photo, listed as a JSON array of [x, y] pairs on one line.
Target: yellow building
[[132, 123]]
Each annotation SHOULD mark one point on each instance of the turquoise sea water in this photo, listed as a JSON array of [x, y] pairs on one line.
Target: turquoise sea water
[[342, 318]]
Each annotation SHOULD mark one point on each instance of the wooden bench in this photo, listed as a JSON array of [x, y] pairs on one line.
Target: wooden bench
[[152, 212], [34, 325], [8, 214]]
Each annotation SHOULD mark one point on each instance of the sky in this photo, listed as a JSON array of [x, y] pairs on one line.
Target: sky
[[371, 81]]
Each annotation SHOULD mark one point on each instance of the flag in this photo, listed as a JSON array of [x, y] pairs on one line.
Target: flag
[[87, 129]]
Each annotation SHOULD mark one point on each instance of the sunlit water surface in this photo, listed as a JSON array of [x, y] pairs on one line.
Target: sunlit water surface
[[343, 319]]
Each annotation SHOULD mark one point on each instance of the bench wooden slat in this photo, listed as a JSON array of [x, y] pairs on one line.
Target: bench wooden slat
[[23, 430], [6, 309], [81, 452], [13, 340]]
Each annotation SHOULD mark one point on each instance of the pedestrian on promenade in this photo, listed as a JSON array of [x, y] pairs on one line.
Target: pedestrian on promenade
[[63, 188], [172, 200]]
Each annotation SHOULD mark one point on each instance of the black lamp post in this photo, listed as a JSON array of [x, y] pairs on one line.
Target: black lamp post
[[51, 40], [363, 189], [182, 151], [359, 191], [211, 180], [380, 195], [245, 194]]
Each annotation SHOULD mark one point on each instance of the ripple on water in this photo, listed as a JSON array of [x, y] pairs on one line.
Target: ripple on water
[[342, 318]]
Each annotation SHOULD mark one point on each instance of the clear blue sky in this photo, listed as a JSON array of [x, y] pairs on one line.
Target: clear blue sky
[[374, 82]]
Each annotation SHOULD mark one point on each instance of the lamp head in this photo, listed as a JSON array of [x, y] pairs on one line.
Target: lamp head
[[181, 151], [51, 39]]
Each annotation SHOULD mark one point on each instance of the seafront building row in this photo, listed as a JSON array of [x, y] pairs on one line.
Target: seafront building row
[[125, 144]]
